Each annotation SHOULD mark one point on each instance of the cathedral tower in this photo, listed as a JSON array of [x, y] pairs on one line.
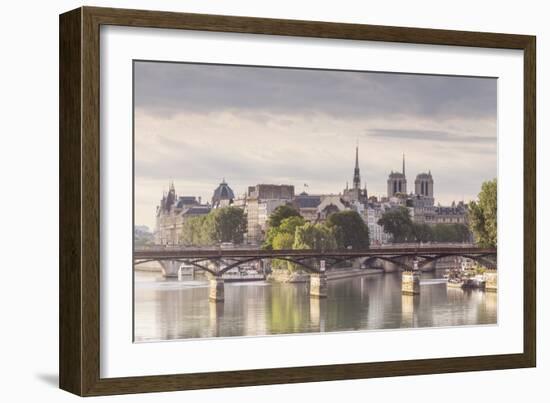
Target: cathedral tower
[[397, 182], [424, 186]]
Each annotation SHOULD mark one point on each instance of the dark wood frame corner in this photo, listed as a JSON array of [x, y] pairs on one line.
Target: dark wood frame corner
[[79, 201]]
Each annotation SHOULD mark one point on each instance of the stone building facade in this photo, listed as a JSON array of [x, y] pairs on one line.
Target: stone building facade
[[261, 201], [171, 214], [173, 211]]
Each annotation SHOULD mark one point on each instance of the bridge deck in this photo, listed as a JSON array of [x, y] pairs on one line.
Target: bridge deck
[[174, 253]]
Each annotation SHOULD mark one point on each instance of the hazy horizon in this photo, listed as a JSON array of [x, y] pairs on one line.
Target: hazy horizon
[[198, 124]]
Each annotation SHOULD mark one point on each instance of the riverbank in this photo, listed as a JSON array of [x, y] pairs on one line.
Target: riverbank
[[285, 276], [151, 267], [351, 272]]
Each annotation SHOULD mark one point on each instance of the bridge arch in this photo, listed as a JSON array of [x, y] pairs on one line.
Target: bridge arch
[[480, 259], [192, 263], [389, 260], [299, 262]]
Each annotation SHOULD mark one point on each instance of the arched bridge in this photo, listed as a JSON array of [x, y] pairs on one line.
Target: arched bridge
[[227, 259]]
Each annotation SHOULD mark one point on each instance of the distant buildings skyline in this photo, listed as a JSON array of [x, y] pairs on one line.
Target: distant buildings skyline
[[421, 184], [175, 210], [197, 124]]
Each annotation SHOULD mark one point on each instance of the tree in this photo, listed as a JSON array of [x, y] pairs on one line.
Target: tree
[[280, 213], [287, 226], [423, 233], [462, 233], [351, 229], [193, 233], [315, 236], [482, 215], [227, 224], [283, 241], [451, 233], [398, 223], [142, 236], [282, 237]]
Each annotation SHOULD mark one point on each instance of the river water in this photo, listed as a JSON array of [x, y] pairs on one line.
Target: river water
[[168, 309]]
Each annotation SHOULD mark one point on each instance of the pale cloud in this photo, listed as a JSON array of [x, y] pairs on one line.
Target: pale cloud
[[166, 88], [206, 128]]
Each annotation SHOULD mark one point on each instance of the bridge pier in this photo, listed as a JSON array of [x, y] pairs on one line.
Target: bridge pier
[[170, 268], [410, 282], [216, 292], [491, 280]]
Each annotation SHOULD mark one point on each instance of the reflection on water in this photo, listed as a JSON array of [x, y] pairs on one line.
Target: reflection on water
[[172, 309]]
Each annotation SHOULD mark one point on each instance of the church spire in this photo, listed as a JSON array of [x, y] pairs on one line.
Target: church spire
[[403, 164], [356, 174]]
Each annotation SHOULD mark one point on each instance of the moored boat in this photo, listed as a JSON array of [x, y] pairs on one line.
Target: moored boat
[[243, 274]]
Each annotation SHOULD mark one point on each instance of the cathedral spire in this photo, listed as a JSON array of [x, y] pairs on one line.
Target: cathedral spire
[[356, 174], [403, 164]]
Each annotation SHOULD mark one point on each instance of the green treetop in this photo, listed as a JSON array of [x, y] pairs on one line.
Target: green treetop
[[280, 213], [482, 215], [315, 236], [227, 224], [351, 230], [398, 223], [287, 226]]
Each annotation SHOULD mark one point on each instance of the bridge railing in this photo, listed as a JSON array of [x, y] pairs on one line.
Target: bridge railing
[[424, 245], [247, 247], [204, 248], [173, 253]]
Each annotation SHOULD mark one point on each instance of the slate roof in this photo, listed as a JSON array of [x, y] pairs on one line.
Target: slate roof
[[197, 210], [186, 201], [306, 201]]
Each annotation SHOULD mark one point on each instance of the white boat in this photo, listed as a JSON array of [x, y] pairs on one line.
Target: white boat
[[243, 274], [186, 270], [467, 264]]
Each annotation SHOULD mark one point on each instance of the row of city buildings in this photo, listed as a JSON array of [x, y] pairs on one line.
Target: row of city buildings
[[261, 200]]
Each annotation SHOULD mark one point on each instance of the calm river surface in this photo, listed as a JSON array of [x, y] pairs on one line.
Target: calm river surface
[[167, 309]]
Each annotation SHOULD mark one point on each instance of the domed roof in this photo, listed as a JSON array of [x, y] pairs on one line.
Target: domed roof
[[222, 192]]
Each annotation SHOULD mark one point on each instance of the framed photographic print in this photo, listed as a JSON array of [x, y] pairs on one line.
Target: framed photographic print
[[249, 201]]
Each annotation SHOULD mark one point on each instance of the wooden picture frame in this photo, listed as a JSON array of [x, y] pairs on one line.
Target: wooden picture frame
[[79, 346]]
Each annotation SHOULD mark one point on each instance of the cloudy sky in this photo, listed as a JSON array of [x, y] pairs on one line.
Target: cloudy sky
[[197, 124]]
